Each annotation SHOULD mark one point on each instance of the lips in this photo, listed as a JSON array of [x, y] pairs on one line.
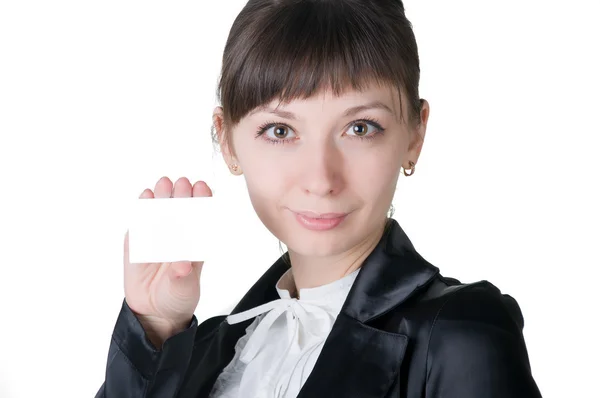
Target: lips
[[311, 214], [319, 221]]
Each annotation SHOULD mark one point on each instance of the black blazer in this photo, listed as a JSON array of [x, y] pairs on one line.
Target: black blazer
[[403, 331]]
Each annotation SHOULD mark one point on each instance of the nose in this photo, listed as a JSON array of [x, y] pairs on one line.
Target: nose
[[322, 167]]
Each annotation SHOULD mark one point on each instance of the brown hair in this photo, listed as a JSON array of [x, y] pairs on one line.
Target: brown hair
[[294, 48]]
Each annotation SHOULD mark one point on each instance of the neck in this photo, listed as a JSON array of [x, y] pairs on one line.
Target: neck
[[309, 272]]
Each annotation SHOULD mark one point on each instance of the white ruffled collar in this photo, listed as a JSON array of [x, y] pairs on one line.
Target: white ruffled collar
[[338, 288], [309, 318]]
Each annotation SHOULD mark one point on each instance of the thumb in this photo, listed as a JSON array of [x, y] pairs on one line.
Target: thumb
[[185, 274], [180, 269]]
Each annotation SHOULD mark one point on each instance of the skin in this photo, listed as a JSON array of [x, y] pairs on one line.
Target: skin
[[323, 166]]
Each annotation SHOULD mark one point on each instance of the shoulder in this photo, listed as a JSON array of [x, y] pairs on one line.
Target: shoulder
[[479, 302], [476, 342], [474, 314], [447, 302]]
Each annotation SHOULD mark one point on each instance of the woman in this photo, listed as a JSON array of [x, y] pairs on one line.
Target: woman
[[352, 309]]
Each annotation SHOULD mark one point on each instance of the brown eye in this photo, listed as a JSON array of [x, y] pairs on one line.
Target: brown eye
[[360, 129], [280, 131]]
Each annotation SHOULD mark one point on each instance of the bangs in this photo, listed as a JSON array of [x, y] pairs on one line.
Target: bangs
[[291, 50]]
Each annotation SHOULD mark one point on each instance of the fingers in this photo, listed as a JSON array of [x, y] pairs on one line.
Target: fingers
[[201, 189], [182, 188], [147, 194], [163, 188]]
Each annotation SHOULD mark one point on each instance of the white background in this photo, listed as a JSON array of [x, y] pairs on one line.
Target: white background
[[100, 99]]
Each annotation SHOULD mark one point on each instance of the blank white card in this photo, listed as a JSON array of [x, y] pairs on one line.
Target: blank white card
[[172, 229]]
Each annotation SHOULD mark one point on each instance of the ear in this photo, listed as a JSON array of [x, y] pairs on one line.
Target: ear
[[418, 137], [226, 150]]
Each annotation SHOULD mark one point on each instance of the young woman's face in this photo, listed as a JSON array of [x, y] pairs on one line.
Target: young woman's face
[[325, 154]]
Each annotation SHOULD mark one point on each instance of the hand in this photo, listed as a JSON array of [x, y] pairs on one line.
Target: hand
[[164, 296]]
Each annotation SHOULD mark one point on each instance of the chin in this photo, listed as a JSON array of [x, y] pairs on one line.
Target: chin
[[311, 243], [318, 247]]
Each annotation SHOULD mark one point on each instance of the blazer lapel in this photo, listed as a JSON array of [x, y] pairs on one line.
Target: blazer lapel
[[220, 348], [358, 360]]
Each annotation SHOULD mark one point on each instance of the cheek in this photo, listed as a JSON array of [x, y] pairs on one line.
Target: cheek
[[377, 175], [266, 184], [265, 169], [264, 173], [266, 191]]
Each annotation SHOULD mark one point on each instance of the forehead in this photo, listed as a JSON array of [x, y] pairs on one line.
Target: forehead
[[373, 95]]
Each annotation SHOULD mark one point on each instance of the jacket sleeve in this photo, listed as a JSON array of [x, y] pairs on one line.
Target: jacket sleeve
[[477, 349], [136, 369]]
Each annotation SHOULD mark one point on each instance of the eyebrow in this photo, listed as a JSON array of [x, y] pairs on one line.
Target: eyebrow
[[348, 112]]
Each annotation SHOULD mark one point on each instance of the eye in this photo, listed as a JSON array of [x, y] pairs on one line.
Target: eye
[[279, 131], [276, 133], [360, 129]]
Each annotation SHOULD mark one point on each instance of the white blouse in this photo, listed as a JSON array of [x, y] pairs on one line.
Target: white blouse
[[279, 350]]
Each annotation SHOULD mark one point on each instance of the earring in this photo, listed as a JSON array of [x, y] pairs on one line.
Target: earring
[[234, 167], [412, 168], [391, 211]]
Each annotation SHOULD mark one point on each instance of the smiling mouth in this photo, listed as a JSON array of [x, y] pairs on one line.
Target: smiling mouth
[[319, 221], [311, 214]]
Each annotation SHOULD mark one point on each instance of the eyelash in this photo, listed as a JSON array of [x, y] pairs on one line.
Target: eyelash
[[373, 122]]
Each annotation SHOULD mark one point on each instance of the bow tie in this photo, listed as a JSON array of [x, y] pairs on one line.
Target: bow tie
[[304, 320]]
